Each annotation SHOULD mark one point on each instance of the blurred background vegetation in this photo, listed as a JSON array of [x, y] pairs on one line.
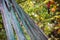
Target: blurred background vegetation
[[45, 13]]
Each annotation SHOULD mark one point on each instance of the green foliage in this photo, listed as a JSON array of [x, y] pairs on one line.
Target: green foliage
[[40, 14]]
